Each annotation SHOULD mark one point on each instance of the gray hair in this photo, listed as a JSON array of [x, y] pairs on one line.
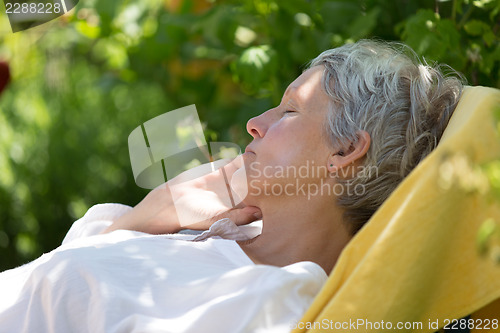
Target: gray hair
[[403, 103]]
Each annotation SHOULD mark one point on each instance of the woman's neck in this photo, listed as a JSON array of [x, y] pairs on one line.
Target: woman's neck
[[299, 230]]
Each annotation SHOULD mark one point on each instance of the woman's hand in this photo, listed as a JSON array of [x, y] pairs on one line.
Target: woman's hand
[[188, 204]]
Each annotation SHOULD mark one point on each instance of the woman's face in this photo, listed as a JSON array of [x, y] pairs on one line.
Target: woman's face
[[289, 146]]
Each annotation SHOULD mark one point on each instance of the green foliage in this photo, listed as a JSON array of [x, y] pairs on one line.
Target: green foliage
[[82, 83], [254, 67]]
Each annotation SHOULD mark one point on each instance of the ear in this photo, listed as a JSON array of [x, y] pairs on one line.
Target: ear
[[355, 152]]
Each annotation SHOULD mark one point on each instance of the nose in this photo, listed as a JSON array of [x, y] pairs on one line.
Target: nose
[[257, 126]]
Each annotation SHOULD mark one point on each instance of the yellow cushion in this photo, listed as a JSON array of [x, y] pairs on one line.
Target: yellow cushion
[[417, 259]]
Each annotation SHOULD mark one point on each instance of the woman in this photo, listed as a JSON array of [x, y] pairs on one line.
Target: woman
[[345, 134], [366, 114]]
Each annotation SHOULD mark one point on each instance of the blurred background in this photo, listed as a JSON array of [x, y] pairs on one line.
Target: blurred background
[[74, 88]]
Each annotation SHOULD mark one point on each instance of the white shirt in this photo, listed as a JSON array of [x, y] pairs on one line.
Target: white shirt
[[129, 281]]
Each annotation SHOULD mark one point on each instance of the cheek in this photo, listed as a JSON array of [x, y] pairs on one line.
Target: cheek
[[283, 145], [293, 144]]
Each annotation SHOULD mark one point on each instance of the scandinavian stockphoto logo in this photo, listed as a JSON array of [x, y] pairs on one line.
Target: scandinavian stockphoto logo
[[24, 15], [172, 147]]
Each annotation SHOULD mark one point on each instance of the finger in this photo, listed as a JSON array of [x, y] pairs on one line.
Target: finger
[[242, 216]]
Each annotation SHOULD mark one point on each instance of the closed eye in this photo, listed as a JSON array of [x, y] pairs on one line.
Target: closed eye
[[288, 112]]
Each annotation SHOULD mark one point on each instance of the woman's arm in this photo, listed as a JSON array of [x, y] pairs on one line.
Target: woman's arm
[[191, 204]]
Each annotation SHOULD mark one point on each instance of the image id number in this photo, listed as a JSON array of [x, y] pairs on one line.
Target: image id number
[[33, 8]]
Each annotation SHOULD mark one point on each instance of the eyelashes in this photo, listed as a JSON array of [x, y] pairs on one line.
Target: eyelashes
[[287, 112]]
